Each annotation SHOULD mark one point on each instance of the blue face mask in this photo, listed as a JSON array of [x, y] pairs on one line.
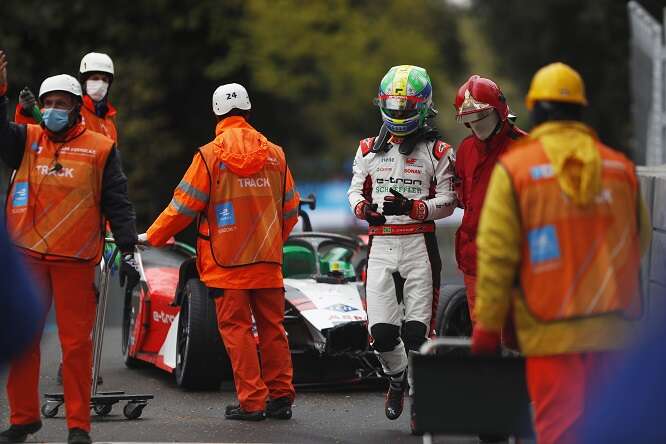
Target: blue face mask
[[55, 119]]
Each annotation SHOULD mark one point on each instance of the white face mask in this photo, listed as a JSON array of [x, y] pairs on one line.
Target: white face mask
[[96, 89], [483, 128]]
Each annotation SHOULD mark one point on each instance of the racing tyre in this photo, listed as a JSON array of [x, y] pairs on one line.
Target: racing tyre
[[201, 360], [130, 312], [452, 314]]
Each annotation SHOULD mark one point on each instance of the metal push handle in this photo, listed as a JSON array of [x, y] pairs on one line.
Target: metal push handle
[[430, 346], [100, 317]]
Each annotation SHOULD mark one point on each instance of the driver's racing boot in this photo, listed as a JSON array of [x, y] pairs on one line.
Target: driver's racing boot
[[395, 397], [20, 432]]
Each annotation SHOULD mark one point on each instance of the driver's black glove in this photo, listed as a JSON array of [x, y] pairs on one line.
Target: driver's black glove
[[368, 211], [399, 205], [129, 270]]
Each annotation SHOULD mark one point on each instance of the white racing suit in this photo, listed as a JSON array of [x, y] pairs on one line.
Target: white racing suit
[[403, 267]]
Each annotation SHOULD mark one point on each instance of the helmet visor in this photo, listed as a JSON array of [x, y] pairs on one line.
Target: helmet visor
[[400, 107], [399, 114], [400, 103], [473, 115]]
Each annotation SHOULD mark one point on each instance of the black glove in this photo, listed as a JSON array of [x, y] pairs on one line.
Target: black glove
[[371, 214], [129, 271], [397, 205], [27, 101]]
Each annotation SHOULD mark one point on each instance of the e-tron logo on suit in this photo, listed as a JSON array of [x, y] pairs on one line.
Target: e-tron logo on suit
[[393, 180]]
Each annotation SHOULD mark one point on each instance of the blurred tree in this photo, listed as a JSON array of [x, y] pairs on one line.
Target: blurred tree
[[320, 63], [590, 36], [311, 68]]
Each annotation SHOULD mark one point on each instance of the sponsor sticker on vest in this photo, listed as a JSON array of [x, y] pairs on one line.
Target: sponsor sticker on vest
[[544, 245], [544, 171], [20, 198], [225, 214]]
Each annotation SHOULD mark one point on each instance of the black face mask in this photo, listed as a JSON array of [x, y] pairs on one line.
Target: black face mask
[[547, 111]]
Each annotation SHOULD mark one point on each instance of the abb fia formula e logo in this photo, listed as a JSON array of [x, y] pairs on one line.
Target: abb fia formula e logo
[[165, 318]]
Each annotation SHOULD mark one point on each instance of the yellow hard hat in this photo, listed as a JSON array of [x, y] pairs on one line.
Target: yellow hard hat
[[556, 82]]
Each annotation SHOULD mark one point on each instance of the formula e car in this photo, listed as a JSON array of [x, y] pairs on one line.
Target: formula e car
[[169, 319]]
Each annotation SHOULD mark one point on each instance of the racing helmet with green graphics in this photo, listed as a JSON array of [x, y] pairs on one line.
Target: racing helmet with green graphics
[[404, 99]]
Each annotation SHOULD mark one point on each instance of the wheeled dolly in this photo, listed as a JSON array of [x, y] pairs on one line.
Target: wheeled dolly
[[101, 402]]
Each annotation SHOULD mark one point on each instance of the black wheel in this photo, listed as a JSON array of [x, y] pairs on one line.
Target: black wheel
[[102, 409], [130, 312], [201, 360], [453, 314], [133, 410], [50, 409]]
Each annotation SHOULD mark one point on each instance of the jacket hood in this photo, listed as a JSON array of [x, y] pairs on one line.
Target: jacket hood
[[89, 104], [571, 147], [239, 146]]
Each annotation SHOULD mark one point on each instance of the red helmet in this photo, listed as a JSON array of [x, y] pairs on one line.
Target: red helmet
[[477, 97]]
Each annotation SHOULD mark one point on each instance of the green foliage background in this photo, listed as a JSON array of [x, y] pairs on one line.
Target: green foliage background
[[311, 67]]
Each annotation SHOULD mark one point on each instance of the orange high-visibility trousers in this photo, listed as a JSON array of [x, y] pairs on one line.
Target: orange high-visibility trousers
[[560, 388], [273, 379], [71, 288]]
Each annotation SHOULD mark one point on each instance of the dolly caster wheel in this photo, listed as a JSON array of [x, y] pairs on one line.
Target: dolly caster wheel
[[102, 409], [133, 410], [50, 409]]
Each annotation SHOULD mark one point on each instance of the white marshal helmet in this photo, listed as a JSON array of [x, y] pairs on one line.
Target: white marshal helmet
[[61, 82], [230, 96], [96, 62]]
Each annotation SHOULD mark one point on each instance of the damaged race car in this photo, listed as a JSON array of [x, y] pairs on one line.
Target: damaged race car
[[169, 319]]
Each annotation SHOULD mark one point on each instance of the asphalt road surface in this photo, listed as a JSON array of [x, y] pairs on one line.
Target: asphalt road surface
[[348, 414]]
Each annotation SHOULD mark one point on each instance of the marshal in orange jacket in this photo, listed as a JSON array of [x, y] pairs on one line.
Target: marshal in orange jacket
[[105, 125], [49, 201], [242, 192], [568, 226]]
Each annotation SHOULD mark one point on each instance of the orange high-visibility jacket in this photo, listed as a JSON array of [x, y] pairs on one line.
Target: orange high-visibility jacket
[[245, 211], [585, 171], [54, 205], [103, 125], [242, 192], [578, 261]]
